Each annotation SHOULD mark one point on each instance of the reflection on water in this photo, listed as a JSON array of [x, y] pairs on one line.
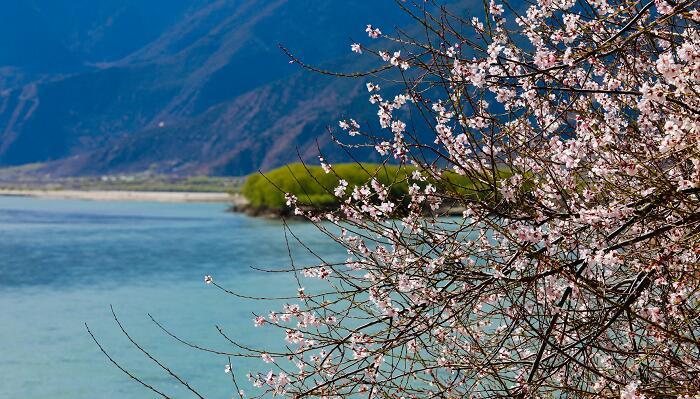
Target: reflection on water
[[62, 263]]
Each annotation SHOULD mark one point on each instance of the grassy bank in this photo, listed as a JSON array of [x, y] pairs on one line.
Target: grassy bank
[[313, 187]]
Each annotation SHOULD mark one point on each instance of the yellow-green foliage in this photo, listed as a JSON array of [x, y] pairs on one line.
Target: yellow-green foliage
[[458, 186], [312, 186]]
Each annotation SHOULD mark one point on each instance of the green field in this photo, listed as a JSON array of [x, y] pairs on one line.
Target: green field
[[28, 178]]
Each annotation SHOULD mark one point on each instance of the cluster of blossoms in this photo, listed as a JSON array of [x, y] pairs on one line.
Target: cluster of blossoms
[[567, 140], [562, 137]]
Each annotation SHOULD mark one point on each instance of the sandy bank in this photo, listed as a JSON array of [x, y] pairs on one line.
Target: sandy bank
[[103, 195]]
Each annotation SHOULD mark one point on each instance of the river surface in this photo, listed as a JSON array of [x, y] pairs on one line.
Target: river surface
[[63, 263]]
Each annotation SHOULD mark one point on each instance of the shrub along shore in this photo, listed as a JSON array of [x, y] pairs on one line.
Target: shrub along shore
[[313, 187]]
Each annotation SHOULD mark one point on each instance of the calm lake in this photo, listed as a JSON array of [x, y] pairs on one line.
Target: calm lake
[[62, 263]]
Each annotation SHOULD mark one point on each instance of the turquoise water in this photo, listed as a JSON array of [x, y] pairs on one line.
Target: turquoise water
[[62, 263]]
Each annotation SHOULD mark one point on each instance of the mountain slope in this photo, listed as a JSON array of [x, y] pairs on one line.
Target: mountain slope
[[204, 89]]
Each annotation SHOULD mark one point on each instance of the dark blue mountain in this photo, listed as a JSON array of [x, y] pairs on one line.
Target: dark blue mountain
[[175, 86]]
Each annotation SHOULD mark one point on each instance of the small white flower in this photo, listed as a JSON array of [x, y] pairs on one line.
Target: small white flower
[[325, 166], [259, 321], [372, 32], [372, 87]]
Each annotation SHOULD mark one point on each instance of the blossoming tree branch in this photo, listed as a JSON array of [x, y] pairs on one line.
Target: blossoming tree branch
[[568, 133]]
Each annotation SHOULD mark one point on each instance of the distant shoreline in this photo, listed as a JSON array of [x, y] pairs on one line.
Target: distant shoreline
[[117, 195]]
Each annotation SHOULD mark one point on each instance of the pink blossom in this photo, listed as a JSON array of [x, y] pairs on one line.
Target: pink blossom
[[630, 392], [372, 32], [544, 59], [495, 9], [339, 191], [325, 166]]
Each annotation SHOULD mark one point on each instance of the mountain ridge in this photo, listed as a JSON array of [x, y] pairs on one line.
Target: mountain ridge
[[210, 94]]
